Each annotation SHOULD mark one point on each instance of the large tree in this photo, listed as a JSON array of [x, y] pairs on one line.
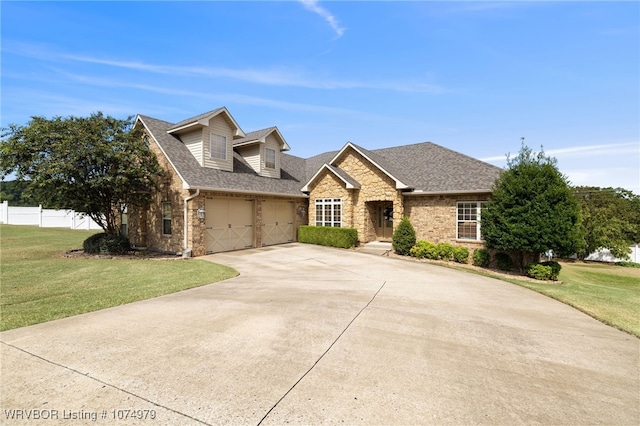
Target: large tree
[[610, 220], [532, 209], [96, 165]]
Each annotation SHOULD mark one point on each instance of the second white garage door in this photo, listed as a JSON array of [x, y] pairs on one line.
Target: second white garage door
[[229, 223], [277, 222]]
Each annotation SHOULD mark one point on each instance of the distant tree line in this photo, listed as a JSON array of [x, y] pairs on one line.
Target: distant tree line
[[15, 192]]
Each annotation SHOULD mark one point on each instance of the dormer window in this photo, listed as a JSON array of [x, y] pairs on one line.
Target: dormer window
[[270, 158], [218, 148]]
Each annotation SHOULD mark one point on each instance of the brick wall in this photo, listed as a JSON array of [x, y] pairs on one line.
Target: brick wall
[[434, 217]]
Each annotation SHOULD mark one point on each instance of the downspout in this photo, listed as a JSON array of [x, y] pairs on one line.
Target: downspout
[[186, 252]]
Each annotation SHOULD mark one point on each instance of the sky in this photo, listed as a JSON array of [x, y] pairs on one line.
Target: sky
[[475, 77]]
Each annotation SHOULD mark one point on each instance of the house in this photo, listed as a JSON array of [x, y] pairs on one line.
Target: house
[[227, 190]]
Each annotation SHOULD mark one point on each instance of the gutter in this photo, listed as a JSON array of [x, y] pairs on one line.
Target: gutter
[[449, 192], [186, 252]]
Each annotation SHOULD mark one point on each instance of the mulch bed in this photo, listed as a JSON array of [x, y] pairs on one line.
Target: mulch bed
[[133, 254]]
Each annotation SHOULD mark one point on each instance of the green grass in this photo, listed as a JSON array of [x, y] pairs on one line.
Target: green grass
[[37, 284], [608, 293]]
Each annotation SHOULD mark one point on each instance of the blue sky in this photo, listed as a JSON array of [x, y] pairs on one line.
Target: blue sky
[[474, 77]]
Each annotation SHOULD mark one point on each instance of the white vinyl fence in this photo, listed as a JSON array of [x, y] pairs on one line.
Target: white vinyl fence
[[45, 218]]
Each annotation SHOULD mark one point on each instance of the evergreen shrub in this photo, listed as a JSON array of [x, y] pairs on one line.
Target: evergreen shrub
[[482, 258], [460, 254], [106, 244], [404, 237], [504, 261], [539, 271]]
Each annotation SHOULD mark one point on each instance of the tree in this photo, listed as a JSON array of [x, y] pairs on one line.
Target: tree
[[96, 165], [610, 220], [13, 191], [532, 209]]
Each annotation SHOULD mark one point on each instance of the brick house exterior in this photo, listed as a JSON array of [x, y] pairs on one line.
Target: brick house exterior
[[226, 190]]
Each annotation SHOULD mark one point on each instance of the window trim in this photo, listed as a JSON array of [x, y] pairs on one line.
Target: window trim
[[334, 207], [267, 163], [216, 138], [478, 206], [166, 208]]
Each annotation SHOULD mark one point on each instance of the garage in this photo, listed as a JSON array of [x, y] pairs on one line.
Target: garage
[[229, 224], [277, 222]]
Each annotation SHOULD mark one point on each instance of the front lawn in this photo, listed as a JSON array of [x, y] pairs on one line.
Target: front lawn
[[608, 293], [38, 284]]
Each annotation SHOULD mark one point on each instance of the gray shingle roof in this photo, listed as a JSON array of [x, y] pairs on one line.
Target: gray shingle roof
[[196, 118], [429, 167], [253, 136], [424, 167], [242, 179]]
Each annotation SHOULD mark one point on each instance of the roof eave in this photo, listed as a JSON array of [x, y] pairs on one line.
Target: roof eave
[[399, 183], [448, 192], [326, 166], [244, 191]]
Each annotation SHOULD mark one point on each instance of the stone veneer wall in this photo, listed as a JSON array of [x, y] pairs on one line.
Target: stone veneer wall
[[434, 217], [329, 186], [374, 186]]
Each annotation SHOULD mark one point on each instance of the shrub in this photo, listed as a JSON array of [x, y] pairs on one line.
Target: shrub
[[424, 250], [404, 237], [445, 251], [504, 262], [461, 254], [106, 244], [628, 264], [555, 269], [328, 236], [481, 257], [539, 271]]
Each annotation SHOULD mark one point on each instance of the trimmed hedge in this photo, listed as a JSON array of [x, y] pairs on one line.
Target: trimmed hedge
[[106, 244], [328, 236]]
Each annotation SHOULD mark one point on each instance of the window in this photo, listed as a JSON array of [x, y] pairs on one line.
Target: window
[[329, 212], [469, 214], [270, 158], [124, 222], [218, 148], [166, 218]]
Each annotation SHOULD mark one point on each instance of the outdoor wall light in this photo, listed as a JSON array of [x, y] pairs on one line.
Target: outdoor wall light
[[200, 213]]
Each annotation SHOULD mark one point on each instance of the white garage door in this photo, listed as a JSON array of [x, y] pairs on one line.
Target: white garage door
[[229, 223], [277, 222]]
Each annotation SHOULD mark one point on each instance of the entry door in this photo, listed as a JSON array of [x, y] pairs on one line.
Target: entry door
[[229, 224], [384, 225], [277, 222]]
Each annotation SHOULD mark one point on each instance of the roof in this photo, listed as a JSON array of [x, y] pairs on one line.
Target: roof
[[203, 119], [243, 178], [431, 168], [259, 136], [422, 168]]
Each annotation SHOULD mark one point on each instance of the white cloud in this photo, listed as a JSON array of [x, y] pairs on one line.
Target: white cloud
[[312, 5], [278, 76], [582, 151]]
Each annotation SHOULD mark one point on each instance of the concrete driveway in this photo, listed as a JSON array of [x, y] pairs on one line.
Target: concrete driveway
[[310, 335]]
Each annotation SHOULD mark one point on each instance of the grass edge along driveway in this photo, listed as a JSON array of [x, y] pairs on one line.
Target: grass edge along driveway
[[37, 284]]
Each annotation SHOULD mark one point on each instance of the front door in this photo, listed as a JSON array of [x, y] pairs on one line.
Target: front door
[[384, 222]]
